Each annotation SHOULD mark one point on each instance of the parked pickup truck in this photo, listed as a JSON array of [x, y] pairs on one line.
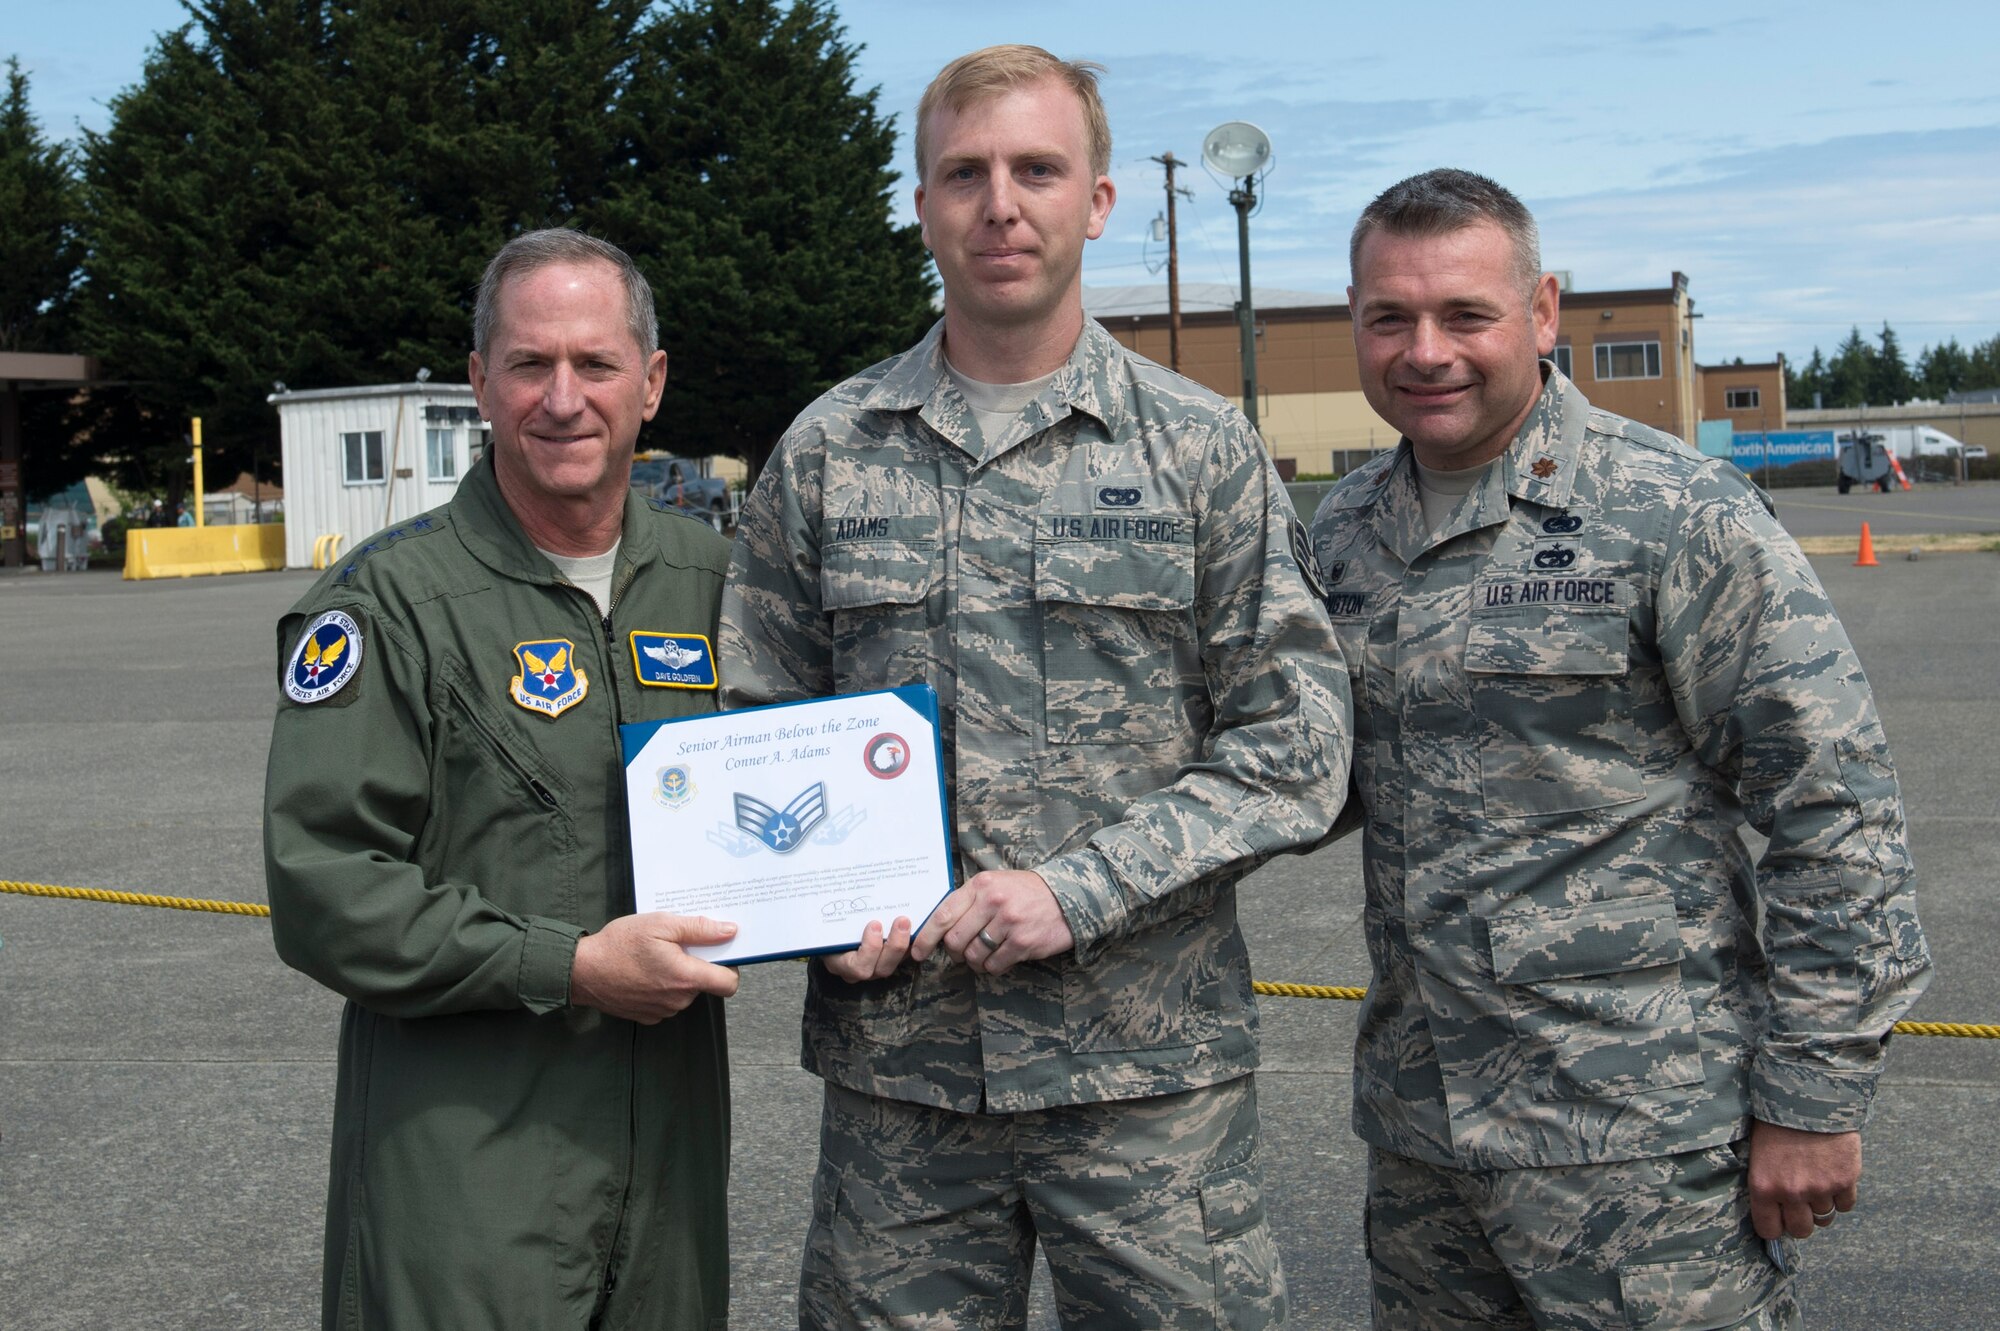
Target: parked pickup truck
[[679, 481]]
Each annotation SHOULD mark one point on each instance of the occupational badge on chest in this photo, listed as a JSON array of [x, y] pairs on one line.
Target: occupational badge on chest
[[673, 660], [550, 681]]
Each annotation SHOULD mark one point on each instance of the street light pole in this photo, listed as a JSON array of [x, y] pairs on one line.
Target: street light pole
[[1243, 198]]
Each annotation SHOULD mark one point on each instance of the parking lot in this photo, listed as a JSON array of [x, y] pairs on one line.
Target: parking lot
[[166, 1084]]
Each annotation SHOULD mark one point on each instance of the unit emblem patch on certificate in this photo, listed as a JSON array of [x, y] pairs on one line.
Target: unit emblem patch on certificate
[[327, 657], [550, 681], [673, 660], [887, 756], [675, 786]]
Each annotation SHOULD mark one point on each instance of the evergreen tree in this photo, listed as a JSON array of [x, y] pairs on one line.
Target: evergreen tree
[[1852, 372], [38, 244], [1802, 385], [1983, 368], [1942, 369], [757, 191], [306, 190], [1890, 382], [39, 252]]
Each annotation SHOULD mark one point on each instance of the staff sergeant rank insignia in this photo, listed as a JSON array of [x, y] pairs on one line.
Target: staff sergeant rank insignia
[[673, 660], [327, 657], [550, 681]]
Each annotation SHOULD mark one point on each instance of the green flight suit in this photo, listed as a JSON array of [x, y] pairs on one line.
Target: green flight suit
[[434, 849]]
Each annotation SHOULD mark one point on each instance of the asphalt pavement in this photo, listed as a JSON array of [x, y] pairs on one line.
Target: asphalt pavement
[[165, 1083]]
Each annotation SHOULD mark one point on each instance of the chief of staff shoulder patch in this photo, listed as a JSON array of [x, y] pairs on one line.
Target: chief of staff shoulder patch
[[327, 657], [673, 660], [550, 681]]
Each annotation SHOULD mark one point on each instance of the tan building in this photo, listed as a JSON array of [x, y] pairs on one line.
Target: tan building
[[1631, 352], [1749, 397]]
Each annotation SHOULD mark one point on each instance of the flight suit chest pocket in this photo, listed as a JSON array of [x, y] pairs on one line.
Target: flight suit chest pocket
[[1548, 685], [1596, 996], [1117, 623], [876, 580]]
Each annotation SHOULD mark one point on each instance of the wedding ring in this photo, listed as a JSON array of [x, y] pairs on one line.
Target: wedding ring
[[1826, 1219], [992, 943]]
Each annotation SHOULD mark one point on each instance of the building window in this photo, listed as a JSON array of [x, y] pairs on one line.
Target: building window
[[442, 453], [1628, 360], [361, 453], [1742, 399], [1561, 358], [476, 447]]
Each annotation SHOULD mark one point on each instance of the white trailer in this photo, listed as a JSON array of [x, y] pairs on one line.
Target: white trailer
[[360, 459]]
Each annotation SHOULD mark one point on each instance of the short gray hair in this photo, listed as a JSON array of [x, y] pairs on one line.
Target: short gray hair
[[538, 249], [1437, 203]]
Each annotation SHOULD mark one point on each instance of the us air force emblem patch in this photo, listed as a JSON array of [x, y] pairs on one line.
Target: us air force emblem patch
[[783, 830], [673, 660], [550, 681], [327, 657]]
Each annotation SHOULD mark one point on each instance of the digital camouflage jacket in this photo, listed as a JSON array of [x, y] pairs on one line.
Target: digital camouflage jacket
[[1567, 703], [1142, 701]]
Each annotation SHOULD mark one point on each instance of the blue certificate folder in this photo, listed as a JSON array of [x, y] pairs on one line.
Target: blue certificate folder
[[799, 823]]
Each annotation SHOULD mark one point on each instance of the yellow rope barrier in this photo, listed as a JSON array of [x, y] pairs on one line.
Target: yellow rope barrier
[[134, 898], [1274, 989]]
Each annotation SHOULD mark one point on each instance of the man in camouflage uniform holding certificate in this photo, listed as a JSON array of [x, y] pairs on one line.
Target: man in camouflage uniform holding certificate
[[1093, 562], [1606, 1064]]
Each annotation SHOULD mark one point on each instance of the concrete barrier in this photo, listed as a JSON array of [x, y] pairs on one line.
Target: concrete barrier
[[186, 552]]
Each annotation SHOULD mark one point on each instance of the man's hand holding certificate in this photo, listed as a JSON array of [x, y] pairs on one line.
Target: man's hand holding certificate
[[800, 823]]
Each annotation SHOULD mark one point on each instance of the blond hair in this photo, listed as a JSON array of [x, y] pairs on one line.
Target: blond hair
[[1000, 69]]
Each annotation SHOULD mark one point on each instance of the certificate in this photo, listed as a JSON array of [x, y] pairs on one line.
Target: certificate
[[799, 823]]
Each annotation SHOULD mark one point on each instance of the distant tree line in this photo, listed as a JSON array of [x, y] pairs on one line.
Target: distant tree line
[[1877, 375], [305, 191]]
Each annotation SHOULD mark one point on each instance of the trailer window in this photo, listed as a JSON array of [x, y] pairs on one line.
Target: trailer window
[[361, 457], [1628, 360]]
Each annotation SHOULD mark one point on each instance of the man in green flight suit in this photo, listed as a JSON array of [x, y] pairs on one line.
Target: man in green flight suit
[[532, 1116]]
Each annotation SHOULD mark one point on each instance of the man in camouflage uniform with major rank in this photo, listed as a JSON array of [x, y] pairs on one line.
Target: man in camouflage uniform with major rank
[[1093, 562], [1609, 1070]]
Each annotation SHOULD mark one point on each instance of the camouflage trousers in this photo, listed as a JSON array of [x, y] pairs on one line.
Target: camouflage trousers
[[1658, 1243], [1151, 1212]]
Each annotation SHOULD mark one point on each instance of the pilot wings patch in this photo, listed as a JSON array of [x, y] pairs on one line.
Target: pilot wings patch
[[673, 660]]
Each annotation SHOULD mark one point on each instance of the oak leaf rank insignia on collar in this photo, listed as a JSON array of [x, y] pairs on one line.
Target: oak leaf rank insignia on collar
[[550, 681]]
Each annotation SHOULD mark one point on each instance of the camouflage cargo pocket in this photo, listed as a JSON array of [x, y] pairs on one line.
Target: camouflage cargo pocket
[[1596, 997], [1117, 636], [1249, 1279], [878, 594], [1548, 684]]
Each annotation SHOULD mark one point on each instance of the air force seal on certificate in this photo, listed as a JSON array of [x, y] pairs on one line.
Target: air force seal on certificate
[[327, 657], [550, 681], [673, 660]]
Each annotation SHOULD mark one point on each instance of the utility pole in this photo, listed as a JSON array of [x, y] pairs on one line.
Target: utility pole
[[1169, 161]]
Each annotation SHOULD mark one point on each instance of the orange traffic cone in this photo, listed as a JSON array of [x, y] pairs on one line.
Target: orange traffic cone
[[1867, 556]]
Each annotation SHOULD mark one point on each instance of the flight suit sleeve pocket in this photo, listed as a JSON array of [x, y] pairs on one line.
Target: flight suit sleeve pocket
[[1596, 997], [1117, 637]]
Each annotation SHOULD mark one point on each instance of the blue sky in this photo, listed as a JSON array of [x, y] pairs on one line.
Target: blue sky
[[1809, 166]]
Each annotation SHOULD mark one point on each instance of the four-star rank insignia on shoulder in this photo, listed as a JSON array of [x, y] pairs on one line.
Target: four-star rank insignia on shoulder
[[327, 657], [673, 660], [550, 681]]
